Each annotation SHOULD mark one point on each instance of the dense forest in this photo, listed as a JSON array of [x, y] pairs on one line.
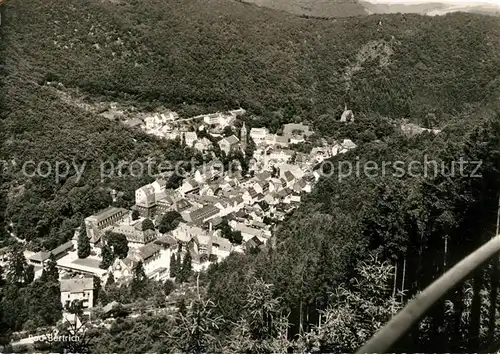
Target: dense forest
[[206, 55]]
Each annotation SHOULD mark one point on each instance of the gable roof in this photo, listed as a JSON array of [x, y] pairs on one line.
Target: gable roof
[[42, 256], [106, 213], [231, 140], [77, 285], [147, 251], [289, 176], [199, 215], [254, 242]]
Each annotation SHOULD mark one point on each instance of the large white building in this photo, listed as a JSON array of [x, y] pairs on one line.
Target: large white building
[[147, 197], [97, 224], [79, 289], [259, 135]]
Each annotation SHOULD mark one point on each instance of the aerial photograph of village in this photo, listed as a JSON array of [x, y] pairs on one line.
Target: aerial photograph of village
[[249, 176]]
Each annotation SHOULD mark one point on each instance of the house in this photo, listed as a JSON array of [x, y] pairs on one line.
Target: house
[[155, 259], [221, 247], [136, 237], [237, 112], [96, 224], [134, 122], [271, 199], [294, 169], [184, 233], [79, 289], [296, 129], [229, 144], [190, 138], [347, 115], [258, 135], [278, 156], [182, 205], [263, 176], [202, 144], [201, 215], [209, 171], [253, 243], [289, 178], [123, 268], [249, 195], [213, 119], [275, 184], [169, 116], [319, 154], [247, 232], [202, 244], [147, 197], [39, 258], [343, 147], [172, 135], [189, 185]]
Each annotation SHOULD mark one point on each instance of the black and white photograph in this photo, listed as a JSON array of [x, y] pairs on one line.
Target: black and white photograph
[[249, 176]]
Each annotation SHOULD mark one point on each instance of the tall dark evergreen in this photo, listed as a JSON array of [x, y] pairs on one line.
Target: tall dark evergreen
[[83, 245], [186, 268], [50, 272], [110, 281], [106, 257], [173, 266], [139, 274], [17, 268]]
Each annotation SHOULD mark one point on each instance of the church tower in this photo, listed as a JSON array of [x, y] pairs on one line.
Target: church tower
[[243, 138]]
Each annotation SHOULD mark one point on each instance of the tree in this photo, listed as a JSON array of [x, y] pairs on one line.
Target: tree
[[17, 268], [135, 215], [261, 328], [168, 287], [169, 221], [50, 272], [236, 237], [30, 274], [147, 224], [186, 268], [195, 329], [106, 257], [139, 274], [83, 245], [119, 244], [371, 299], [228, 131], [173, 266], [110, 281], [97, 289]]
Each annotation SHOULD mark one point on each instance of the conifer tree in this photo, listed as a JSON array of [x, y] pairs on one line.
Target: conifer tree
[[110, 281], [186, 268], [50, 272], [173, 266], [106, 257], [83, 245]]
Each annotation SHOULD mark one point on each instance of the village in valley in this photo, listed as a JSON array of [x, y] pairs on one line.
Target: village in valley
[[213, 212]]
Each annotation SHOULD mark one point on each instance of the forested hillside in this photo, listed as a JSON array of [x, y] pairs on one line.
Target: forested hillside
[[422, 224], [315, 8], [219, 53], [204, 55]]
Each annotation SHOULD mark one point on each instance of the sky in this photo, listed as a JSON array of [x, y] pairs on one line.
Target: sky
[[458, 2]]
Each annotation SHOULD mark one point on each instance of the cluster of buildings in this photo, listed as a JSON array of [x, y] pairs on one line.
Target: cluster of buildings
[[168, 125], [209, 201]]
